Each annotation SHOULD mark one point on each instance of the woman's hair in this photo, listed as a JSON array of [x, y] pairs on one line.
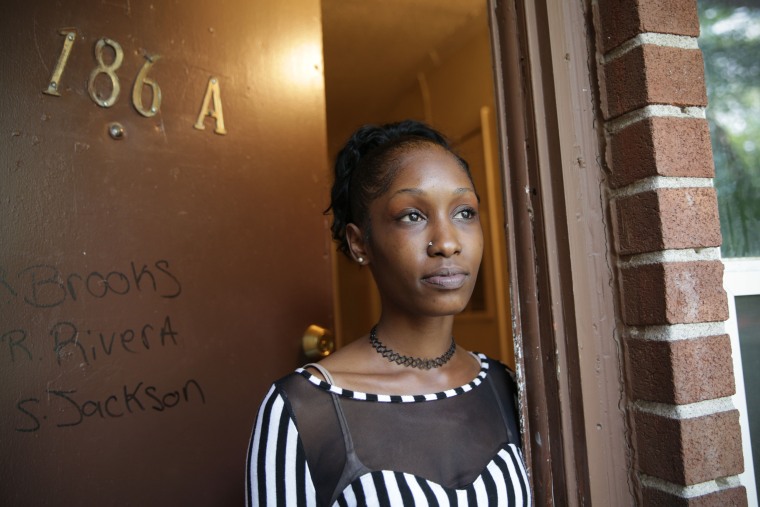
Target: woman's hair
[[367, 165]]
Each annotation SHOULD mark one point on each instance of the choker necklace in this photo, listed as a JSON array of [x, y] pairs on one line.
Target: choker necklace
[[413, 362]]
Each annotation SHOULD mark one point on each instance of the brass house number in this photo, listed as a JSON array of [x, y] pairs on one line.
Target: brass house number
[[212, 100]]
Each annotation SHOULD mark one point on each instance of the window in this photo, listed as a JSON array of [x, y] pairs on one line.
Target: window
[[730, 41]]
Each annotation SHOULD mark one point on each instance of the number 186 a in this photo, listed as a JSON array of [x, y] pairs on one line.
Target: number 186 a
[[212, 101]]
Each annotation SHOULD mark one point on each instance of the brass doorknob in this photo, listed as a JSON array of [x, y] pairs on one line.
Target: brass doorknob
[[317, 342]]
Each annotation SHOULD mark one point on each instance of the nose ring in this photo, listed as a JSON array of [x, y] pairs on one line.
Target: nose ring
[[430, 244]]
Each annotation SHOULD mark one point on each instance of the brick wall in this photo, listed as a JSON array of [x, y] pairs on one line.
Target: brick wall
[[684, 429]]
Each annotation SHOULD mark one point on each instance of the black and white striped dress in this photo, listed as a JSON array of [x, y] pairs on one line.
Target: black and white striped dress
[[315, 443]]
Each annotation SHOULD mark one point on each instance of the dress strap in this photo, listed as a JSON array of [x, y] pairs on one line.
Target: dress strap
[[321, 369], [353, 466]]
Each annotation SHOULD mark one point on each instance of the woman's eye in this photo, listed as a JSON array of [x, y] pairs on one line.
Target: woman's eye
[[466, 214], [411, 217]]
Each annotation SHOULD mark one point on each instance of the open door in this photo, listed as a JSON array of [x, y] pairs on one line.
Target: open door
[[430, 62], [162, 175]]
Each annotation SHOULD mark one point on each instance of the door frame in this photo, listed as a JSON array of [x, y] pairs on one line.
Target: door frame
[[562, 287]]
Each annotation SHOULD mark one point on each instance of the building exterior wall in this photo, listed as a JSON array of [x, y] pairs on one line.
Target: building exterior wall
[[684, 430]]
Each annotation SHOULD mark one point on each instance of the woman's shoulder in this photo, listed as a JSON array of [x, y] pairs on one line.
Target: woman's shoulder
[[498, 365], [285, 384], [348, 359], [501, 374], [294, 393]]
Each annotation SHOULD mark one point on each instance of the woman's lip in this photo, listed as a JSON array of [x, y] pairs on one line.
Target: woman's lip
[[446, 278]]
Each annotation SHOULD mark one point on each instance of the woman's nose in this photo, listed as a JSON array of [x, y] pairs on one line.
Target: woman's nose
[[444, 242]]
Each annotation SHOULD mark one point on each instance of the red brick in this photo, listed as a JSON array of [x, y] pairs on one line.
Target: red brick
[[681, 371], [678, 147], [650, 74], [689, 451], [673, 293], [733, 497], [666, 218], [624, 19]]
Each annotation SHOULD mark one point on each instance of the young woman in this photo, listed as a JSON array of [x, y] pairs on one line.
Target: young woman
[[402, 416]]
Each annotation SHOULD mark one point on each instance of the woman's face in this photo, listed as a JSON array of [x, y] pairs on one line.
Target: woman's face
[[431, 200]]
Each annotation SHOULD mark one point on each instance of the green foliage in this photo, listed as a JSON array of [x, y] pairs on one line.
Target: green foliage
[[730, 41]]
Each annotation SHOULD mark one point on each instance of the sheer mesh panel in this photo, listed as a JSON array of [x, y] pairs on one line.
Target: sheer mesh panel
[[448, 441]]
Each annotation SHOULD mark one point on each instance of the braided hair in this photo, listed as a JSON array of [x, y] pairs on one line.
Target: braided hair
[[367, 165]]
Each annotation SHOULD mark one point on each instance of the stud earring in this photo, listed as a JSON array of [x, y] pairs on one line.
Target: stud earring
[[360, 260]]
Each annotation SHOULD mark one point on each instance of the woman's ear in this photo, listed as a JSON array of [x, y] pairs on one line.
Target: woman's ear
[[357, 244]]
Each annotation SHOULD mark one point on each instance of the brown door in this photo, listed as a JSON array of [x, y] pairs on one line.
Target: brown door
[[159, 260]]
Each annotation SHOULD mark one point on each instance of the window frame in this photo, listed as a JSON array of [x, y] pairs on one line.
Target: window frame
[[741, 277]]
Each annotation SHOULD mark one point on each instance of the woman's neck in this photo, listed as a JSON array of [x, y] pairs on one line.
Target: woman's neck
[[424, 338]]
